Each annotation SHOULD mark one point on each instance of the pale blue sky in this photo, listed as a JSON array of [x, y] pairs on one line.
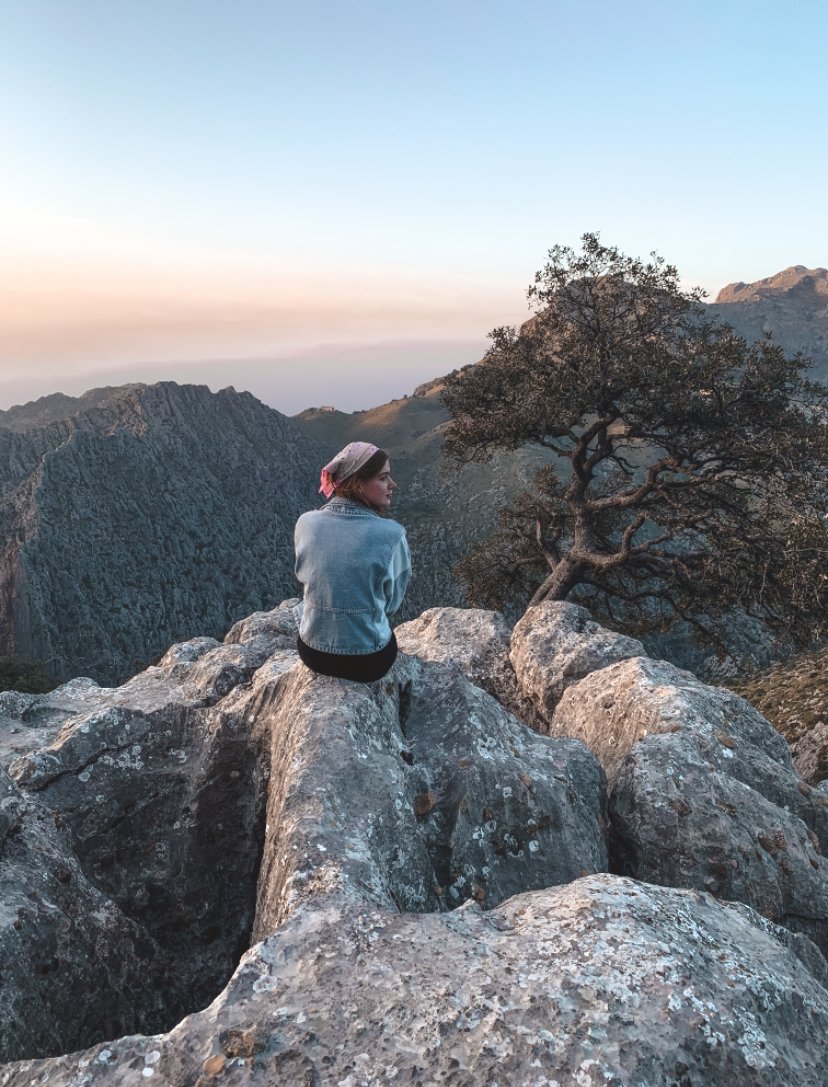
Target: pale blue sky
[[195, 180]]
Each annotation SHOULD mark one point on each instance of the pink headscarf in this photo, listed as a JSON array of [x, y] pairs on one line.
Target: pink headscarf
[[345, 463]]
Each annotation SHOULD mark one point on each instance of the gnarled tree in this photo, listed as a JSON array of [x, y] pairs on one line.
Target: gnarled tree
[[687, 469]]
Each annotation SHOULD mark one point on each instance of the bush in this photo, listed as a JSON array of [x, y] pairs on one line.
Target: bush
[[20, 673]]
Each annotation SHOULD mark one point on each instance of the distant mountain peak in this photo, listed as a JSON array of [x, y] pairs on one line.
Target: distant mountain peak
[[795, 279]]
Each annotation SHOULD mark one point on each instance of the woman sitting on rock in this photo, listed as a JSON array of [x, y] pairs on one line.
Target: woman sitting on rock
[[354, 564]]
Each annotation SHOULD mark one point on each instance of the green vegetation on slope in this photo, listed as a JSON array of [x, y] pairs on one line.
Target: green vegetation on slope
[[20, 673]]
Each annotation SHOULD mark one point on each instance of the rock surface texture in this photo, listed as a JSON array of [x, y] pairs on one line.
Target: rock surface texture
[[556, 644], [704, 791], [602, 982], [475, 640], [419, 879]]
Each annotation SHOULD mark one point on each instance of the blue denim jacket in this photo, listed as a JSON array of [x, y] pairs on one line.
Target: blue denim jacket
[[355, 566]]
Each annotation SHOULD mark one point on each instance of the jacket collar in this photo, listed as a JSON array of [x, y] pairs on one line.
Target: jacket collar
[[347, 505]]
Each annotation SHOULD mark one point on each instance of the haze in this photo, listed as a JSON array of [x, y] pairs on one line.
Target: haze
[[334, 202]]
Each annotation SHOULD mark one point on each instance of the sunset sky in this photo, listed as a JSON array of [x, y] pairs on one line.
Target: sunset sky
[[334, 201]]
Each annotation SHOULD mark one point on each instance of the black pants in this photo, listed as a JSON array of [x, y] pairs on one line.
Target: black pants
[[361, 667]]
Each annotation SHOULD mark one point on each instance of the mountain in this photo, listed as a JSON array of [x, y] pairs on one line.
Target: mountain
[[135, 515], [792, 305]]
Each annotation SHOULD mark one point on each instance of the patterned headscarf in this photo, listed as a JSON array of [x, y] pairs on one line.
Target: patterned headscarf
[[345, 463]]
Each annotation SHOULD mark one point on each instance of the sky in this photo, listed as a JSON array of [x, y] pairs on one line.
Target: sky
[[331, 202]]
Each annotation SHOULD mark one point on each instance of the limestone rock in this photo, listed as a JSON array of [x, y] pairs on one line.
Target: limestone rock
[[159, 793], [12, 806], [417, 793], [405, 857], [477, 641], [69, 955], [32, 721], [704, 792], [556, 644], [278, 625], [203, 814], [601, 982]]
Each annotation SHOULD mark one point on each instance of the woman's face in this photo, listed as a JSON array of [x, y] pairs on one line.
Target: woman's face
[[378, 491]]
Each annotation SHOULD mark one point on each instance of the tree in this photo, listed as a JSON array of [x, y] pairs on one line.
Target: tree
[[687, 470], [21, 673]]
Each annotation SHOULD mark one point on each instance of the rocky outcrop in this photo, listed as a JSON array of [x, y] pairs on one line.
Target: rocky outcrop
[[555, 645], [475, 640], [603, 981], [704, 792], [222, 790], [137, 516], [69, 955], [418, 877]]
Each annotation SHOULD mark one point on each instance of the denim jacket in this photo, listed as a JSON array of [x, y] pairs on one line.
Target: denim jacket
[[354, 566]]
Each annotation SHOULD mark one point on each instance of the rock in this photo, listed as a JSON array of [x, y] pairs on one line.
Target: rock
[[69, 955], [418, 793], [477, 641], [202, 817], [31, 721], [810, 753], [556, 644], [12, 806], [279, 625], [603, 981], [159, 793], [420, 875], [704, 792]]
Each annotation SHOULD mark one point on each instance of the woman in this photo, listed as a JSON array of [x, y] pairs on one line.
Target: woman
[[354, 564]]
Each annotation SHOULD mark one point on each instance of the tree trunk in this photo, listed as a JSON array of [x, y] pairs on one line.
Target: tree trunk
[[560, 582]]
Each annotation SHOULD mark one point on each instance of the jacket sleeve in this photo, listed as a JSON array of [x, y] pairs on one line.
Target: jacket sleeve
[[398, 575]]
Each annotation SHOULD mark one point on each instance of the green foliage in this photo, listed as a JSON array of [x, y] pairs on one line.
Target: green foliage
[[19, 673], [689, 469]]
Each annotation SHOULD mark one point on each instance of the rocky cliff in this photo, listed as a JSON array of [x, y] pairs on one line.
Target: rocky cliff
[[791, 305], [229, 870], [134, 516]]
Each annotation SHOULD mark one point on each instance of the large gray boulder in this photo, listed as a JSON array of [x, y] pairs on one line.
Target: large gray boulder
[[603, 981], [419, 792], [704, 792], [154, 795], [556, 644], [217, 791], [477, 641]]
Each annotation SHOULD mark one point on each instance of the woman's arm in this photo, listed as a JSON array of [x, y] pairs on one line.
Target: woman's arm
[[398, 576]]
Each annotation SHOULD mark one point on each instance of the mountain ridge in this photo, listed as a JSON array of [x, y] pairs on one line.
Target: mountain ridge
[[148, 512], [62, 459]]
